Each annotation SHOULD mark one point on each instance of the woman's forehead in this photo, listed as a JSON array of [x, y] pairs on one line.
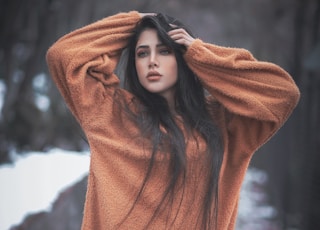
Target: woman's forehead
[[148, 37]]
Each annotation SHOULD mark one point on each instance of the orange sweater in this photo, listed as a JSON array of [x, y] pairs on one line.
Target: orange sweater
[[255, 99]]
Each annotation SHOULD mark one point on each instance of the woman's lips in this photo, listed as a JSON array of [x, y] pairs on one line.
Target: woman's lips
[[153, 76]]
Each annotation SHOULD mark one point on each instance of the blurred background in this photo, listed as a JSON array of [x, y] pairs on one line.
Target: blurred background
[[286, 32]]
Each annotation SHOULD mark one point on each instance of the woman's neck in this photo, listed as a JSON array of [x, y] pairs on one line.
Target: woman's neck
[[170, 97]]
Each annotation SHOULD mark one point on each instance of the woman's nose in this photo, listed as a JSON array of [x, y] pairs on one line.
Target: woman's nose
[[153, 62]]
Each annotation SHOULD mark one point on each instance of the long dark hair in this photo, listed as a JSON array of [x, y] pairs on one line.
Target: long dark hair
[[191, 105]]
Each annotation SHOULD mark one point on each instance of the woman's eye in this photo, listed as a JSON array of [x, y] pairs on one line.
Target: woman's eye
[[141, 54], [165, 51]]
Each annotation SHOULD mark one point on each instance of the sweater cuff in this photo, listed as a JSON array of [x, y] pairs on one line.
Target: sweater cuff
[[128, 16], [193, 48], [134, 13]]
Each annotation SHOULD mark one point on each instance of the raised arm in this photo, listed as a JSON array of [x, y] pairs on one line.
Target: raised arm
[[82, 62], [245, 86], [258, 96]]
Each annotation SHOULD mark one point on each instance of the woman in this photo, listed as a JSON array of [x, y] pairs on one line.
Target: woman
[[164, 155]]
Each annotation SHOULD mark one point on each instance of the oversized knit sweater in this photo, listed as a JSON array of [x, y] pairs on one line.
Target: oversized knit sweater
[[254, 99]]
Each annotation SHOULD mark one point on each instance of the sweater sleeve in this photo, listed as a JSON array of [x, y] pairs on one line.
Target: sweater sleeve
[[82, 63], [258, 96]]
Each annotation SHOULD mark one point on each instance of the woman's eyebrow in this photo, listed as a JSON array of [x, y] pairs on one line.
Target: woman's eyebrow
[[142, 47], [147, 46]]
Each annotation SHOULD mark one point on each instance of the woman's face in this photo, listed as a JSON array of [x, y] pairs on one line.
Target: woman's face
[[156, 65]]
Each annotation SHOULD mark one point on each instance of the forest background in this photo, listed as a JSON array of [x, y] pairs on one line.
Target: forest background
[[286, 32]]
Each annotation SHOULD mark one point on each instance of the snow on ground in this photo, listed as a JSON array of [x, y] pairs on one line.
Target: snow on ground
[[34, 181], [255, 212]]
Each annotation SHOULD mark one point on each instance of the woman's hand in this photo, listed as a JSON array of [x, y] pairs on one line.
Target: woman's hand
[[181, 36], [147, 14]]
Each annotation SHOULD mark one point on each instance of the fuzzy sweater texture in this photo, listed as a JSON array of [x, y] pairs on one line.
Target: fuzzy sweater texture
[[255, 98]]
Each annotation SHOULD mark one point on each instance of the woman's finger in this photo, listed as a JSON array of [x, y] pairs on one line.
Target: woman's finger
[[181, 36], [177, 31], [147, 14]]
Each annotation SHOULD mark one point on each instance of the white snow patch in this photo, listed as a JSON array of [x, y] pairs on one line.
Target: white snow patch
[[34, 181]]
